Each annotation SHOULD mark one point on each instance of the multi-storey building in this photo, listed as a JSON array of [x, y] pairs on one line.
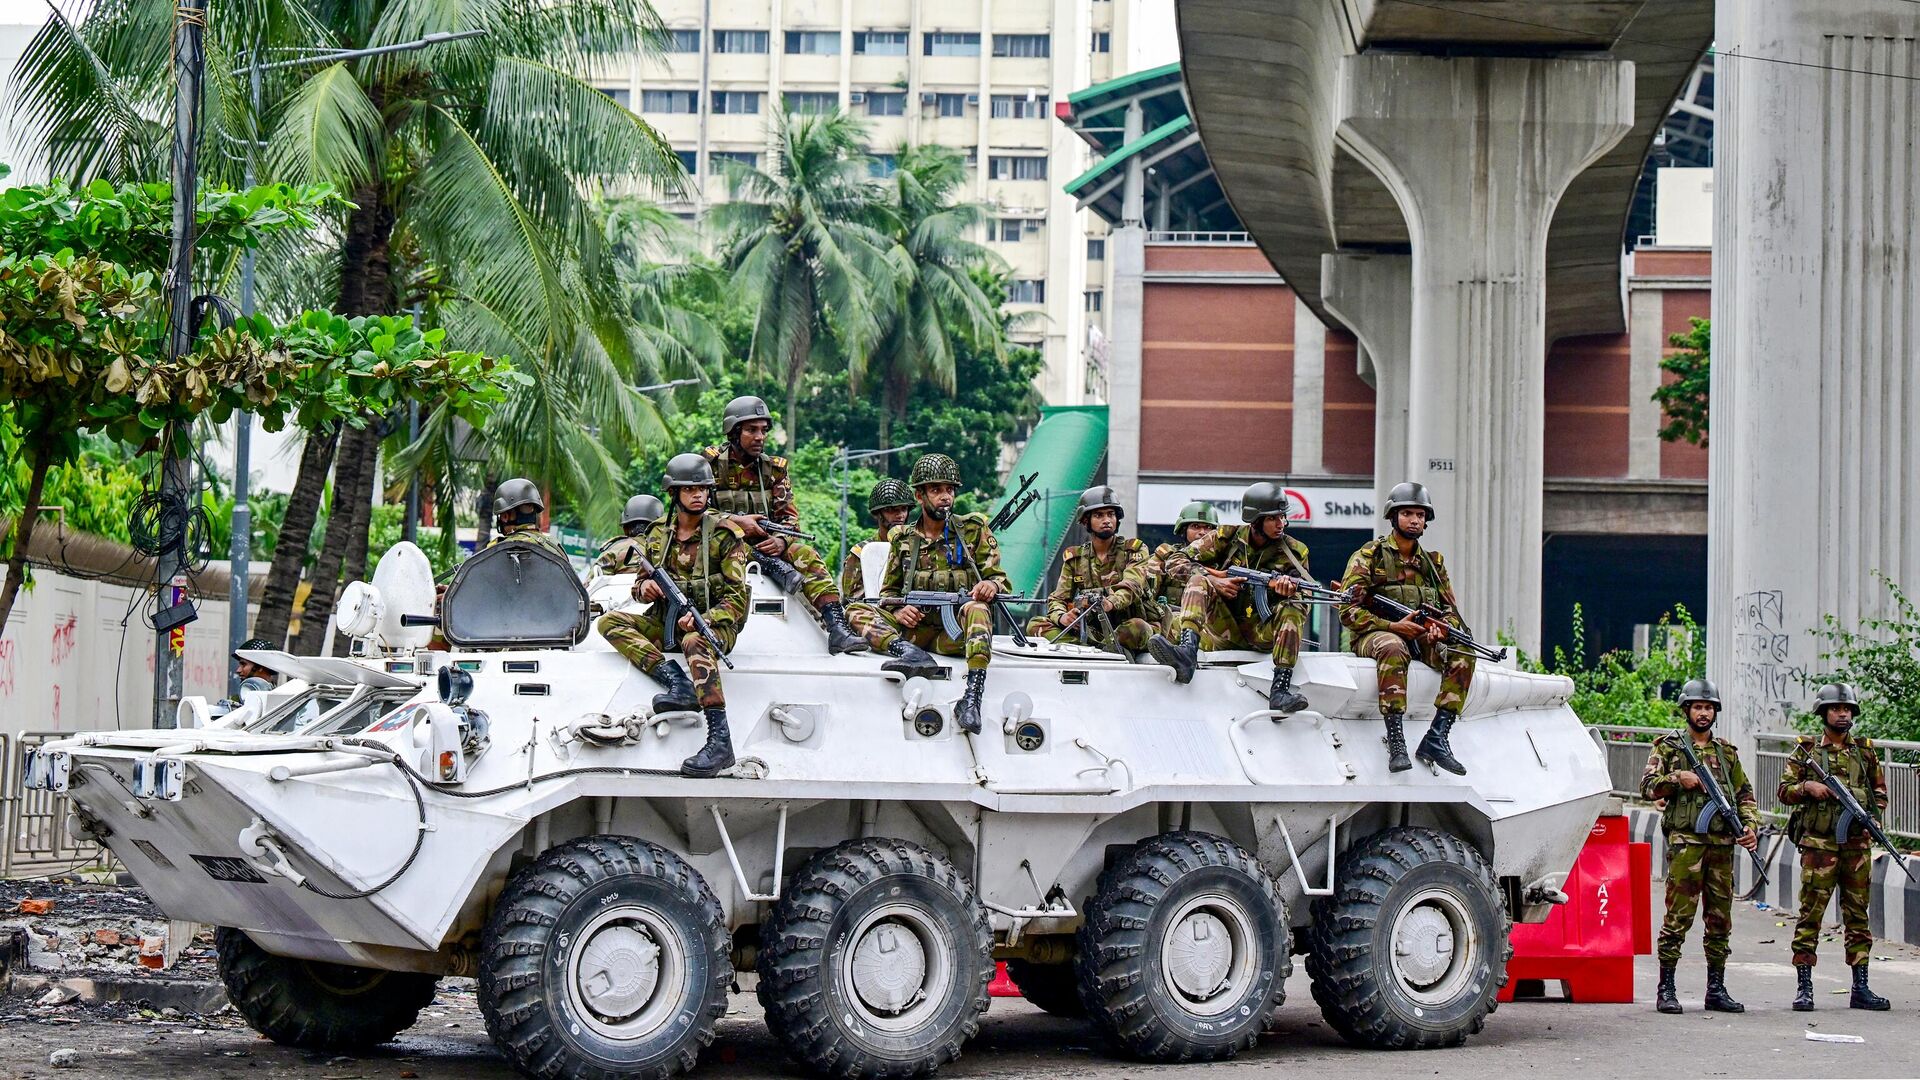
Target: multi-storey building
[[981, 76]]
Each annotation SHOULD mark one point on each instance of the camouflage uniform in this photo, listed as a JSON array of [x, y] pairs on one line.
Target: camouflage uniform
[[1698, 864], [916, 563], [528, 533], [1121, 575], [1164, 588], [711, 568], [1826, 864], [1422, 579], [761, 487], [1232, 623], [621, 555]]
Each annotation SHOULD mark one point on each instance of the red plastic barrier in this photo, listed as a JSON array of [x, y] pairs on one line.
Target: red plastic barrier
[[1002, 984], [1588, 943]]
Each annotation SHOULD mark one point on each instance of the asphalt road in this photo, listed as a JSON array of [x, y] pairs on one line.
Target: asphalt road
[[1017, 1040]]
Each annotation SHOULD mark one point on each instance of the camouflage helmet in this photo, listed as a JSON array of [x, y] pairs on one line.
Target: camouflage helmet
[[1699, 690], [253, 645], [888, 493], [642, 510], [742, 409], [1263, 499], [689, 470], [516, 493], [1408, 494], [1196, 513], [1834, 693], [1098, 498], [934, 469]]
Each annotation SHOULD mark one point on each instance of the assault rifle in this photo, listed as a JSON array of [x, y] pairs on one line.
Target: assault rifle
[[1428, 615], [949, 604], [1851, 811], [1718, 805], [774, 528], [1087, 603], [1304, 592], [1016, 504], [678, 605]]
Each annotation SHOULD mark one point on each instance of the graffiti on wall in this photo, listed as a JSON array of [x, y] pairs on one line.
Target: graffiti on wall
[[1767, 681]]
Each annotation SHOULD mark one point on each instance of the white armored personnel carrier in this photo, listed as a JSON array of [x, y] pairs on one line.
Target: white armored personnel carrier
[[1148, 855]]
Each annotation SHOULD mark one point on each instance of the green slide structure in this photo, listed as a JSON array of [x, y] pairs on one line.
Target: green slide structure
[[1064, 453]]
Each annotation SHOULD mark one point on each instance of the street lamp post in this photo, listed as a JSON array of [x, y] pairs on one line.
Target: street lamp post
[[842, 468]]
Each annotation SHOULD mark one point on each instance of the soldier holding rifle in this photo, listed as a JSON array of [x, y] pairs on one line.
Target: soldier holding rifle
[[1103, 580]]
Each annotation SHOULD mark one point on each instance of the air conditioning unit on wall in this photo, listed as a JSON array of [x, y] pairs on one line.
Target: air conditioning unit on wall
[[858, 97]]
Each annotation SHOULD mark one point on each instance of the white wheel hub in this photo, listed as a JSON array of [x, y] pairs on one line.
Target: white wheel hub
[[1209, 954], [1423, 946], [1433, 943], [626, 972], [889, 967], [619, 968], [1199, 955]]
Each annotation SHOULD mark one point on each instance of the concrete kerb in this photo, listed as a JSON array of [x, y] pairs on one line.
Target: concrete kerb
[[193, 997]]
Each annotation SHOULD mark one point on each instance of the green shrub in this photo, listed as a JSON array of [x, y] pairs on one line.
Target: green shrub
[[1619, 688], [1882, 661]]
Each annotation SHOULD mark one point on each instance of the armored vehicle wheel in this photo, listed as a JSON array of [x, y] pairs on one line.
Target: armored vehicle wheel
[[876, 960], [1411, 949], [314, 1005], [1054, 988], [1184, 951], [607, 956]]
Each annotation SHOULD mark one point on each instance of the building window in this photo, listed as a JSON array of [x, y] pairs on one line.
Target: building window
[[813, 42], [718, 160], [950, 104], [880, 43], [689, 160], [1019, 106], [1095, 299], [619, 95], [740, 41], [1014, 230], [1022, 45], [881, 166], [886, 104], [669, 101], [1026, 291], [683, 41], [941, 43], [1096, 249], [812, 101], [1102, 41], [1002, 167], [736, 102]]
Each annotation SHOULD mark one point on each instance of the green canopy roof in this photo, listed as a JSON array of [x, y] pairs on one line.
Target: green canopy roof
[[1170, 150], [1065, 452]]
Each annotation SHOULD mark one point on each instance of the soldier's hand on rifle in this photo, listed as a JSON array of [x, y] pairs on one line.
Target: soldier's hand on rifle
[[750, 524], [1434, 632], [772, 546], [1283, 587], [1106, 604], [1814, 789], [685, 623], [984, 591], [1228, 587], [1748, 839], [1687, 779], [647, 590], [1408, 628], [909, 616]]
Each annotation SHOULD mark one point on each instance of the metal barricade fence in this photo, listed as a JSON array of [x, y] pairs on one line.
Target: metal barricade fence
[[1626, 750], [36, 836]]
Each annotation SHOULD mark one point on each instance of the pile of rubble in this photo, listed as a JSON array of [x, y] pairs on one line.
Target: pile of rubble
[[72, 942]]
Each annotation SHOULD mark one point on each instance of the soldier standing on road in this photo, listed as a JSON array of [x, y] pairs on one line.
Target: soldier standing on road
[[942, 552], [1698, 864], [1112, 566], [1828, 861], [1217, 611], [1397, 567], [889, 504], [620, 554], [1196, 520], [752, 486], [705, 553]]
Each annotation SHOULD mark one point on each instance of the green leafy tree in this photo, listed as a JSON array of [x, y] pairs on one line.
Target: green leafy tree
[[1881, 658], [1619, 688], [1684, 400]]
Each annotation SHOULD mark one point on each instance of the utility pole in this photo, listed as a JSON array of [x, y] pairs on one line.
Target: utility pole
[[189, 65], [240, 540]]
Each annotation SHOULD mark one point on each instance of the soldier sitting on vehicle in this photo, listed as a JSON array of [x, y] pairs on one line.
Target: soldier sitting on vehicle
[[705, 554], [517, 508], [1197, 519], [1218, 612], [253, 676], [620, 554], [889, 504], [1108, 572], [752, 486]]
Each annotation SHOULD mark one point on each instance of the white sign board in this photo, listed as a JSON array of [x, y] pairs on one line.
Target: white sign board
[[1313, 507]]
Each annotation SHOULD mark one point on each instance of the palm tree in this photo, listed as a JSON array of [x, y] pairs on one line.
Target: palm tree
[[936, 298], [477, 158], [807, 243]]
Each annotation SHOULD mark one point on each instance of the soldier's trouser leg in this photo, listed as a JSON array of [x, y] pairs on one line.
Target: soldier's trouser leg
[[976, 624], [1685, 884], [1856, 890], [1288, 626], [1133, 633], [817, 583], [636, 636], [1716, 914], [874, 624], [1456, 674], [1196, 605], [1042, 627], [704, 666], [1391, 656], [1819, 874]]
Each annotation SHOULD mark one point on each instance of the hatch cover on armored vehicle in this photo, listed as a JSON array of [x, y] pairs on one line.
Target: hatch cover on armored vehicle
[[515, 596]]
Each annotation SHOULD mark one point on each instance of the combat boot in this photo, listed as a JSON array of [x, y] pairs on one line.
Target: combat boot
[[718, 753], [680, 696], [1863, 995], [1281, 698], [1433, 749], [1718, 1000], [1664, 998], [1803, 995], [967, 712], [910, 660], [840, 636], [1182, 658], [1397, 743], [781, 573]]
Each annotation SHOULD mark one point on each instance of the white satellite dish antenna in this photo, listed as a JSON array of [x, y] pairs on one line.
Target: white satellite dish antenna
[[404, 581]]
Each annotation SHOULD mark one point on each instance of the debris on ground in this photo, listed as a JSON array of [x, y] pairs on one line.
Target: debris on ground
[[79, 927], [64, 1058], [1822, 1036]]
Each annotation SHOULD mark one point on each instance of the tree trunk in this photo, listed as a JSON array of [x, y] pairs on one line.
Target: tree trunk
[[483, 509], [296, 535], [23, 532], [352, 487]]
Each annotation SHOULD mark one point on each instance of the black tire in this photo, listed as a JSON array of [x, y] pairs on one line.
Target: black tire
[[315, 1005], [1433, 889], [829, 999], [583, 915], [1132, 982], [1054, 988]]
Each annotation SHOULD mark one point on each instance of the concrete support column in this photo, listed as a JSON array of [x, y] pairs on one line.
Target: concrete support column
[[1373, 296], [1815, 463], [1126, 298], [1309, 391], [1647, 346], [1477, 152]]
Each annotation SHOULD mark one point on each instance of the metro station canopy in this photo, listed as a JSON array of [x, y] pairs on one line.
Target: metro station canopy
[[1181, 191]]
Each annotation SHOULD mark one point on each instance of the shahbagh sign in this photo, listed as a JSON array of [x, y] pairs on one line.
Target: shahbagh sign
[[1313, 507]]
